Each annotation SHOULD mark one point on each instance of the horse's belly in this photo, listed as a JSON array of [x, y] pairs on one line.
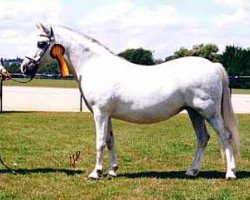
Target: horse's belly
[[147, 115]]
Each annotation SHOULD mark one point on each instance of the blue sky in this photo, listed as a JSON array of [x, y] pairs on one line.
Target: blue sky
[[161, 26]]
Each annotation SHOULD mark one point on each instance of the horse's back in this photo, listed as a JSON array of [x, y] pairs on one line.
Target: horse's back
[[181, 67], [178, 74]]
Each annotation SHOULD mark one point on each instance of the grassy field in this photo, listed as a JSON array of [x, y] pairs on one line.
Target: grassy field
[[44, 83], [152, 158], [241, 91]]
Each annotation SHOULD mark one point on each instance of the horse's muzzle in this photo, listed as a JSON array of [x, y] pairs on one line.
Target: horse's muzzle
[[29, 68]]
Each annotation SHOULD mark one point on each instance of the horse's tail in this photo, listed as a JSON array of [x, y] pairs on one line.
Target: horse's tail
[[228, 113]]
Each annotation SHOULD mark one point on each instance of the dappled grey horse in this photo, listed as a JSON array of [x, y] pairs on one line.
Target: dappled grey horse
[[115, 88]]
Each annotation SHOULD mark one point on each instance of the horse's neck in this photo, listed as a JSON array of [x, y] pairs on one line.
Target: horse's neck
[[79, 50]]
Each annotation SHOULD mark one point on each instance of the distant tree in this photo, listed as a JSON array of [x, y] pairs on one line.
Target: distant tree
[[138, 56], [172, 57], [50, 69], [14, 68], [159, 61], [182, 52], [236, 60], [208, 51]]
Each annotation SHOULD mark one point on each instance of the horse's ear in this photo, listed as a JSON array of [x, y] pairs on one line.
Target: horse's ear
[[38, 26], [43, 28]]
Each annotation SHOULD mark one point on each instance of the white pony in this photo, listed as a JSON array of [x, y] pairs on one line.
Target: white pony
[[115, 88]]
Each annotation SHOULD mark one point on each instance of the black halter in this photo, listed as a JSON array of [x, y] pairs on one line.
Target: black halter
[[36, 62]]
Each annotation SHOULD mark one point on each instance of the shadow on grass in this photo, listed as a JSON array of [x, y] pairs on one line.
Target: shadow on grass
[[181, 175], [69, 172]]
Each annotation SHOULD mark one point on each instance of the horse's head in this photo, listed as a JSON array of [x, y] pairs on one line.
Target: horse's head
[[41, 56]]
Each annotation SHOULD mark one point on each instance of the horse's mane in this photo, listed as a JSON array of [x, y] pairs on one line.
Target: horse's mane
[[88, 38]]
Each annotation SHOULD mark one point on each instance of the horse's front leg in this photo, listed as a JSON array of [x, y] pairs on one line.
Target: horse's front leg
[[101, 124], [111, 147]]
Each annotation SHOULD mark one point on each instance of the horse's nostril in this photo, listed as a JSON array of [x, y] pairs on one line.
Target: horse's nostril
[[29, 69], [24, 68]]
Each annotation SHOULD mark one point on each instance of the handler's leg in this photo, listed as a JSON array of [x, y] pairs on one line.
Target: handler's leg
[[101, 123], [111, 146], [199, 126]]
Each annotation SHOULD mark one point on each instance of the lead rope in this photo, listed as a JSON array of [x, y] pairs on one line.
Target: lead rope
[[1, 160], [6, 166], [18, 81]]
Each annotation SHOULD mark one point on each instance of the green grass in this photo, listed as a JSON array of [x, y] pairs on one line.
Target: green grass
[[241, 91], [44, 83], [152, 159]]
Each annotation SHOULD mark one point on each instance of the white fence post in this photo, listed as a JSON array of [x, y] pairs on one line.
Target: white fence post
[[1, 95]]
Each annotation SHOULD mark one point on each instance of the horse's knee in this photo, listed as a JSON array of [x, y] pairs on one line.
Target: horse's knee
[[100, 146]]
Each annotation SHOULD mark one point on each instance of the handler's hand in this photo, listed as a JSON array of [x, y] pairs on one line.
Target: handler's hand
[[5, 74]]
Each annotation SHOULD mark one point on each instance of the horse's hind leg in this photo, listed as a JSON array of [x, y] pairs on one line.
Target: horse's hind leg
[[218, 124], [111, 147], [199, 126]]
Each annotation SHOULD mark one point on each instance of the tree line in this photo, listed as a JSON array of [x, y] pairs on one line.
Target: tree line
[[235, 59]]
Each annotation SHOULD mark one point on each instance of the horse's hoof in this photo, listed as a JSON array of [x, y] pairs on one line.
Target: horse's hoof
[[192, 173], [95, 175], [112, 173], [230, 176]]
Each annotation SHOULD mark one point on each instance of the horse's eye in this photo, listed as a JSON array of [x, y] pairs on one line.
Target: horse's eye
[[42, 45]]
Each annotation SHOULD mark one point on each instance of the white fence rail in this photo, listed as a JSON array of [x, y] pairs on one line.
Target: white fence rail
[[15, 98]]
